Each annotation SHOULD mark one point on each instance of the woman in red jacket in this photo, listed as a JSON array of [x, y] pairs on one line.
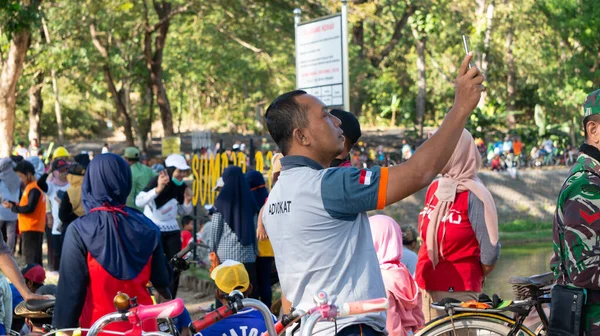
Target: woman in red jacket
[[459, 227], [111, 249]]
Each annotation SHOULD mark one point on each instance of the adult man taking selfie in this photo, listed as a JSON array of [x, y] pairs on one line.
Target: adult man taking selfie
[[316, 217]]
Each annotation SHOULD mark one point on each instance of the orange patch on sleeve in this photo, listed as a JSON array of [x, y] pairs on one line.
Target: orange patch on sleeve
[[383, 183]]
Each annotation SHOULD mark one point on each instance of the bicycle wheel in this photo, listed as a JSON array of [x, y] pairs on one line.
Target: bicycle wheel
[[472, 324]]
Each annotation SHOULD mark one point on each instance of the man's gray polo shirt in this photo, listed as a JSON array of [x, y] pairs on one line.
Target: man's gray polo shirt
[[317, 223]]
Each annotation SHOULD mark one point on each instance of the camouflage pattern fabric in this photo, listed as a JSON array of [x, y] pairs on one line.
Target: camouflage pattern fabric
[[577, 226]]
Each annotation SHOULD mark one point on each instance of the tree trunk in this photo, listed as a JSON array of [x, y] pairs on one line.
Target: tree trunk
[[180, 111], [127, 124], [57, 110], [358, 92], [511, 90], [132, 115], [149, 98], [117, 96], [421, 83], [59, 123], [154, 64], [120, 97], [11, 71], [36, 104], [486, 48]]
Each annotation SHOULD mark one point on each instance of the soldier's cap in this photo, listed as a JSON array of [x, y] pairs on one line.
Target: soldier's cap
[[591, 105]]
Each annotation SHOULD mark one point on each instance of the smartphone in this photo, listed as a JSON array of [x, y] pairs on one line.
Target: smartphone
[[467, 46]]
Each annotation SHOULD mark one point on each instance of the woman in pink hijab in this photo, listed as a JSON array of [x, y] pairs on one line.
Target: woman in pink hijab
[[459, 228], [404, 312]]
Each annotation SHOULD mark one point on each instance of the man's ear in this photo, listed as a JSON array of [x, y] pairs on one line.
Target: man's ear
[[300, 137], [593, 130]]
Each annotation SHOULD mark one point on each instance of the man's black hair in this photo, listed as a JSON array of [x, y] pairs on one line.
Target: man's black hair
[[25, 167], [593, 117], [186, 219], [283, 116]]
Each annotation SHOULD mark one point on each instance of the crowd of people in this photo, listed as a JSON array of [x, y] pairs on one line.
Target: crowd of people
[[112, 223], [513, 153]]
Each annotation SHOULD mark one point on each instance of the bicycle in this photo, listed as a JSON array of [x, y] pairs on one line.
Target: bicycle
[[531, 293], [329, 312], [322, 311], [127, 311], [236, 302]]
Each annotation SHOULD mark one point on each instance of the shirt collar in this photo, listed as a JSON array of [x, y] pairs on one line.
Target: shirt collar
[[295, 161]]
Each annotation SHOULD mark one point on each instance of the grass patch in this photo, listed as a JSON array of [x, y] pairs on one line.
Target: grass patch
[[523, 225], [199, 272], [524, 230], [518, 250]]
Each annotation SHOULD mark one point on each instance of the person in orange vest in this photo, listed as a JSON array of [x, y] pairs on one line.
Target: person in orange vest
[[31, 212]]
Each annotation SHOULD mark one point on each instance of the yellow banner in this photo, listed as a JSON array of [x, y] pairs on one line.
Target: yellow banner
[[207, 170]]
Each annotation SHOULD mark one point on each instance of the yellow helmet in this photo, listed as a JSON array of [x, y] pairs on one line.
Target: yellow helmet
[[60, 152]]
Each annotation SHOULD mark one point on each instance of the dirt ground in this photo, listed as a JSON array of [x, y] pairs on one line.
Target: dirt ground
[[196, 307]]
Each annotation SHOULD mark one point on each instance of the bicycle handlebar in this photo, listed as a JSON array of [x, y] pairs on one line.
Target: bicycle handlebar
[[326, 311], [364, 307], [236, 304], [285, 321], [106, 320], [210, 319], [138, 314], [266, 313], [185, 251], [170, 309]]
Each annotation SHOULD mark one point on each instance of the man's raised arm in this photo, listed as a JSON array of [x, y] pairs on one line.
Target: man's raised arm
[[431, 157]]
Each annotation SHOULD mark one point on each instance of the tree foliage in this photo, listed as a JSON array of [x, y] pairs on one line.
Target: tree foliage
[[223, 61]]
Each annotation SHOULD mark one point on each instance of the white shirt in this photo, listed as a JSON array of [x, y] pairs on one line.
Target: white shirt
[[164, 217], [53, 194], [321, 236]]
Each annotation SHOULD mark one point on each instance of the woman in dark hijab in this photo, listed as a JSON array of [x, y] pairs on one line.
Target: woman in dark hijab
[[265, 258], [234, 222], [110, 249]]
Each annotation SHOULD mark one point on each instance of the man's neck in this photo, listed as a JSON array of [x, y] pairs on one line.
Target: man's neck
[[591, 150], [324, 160]]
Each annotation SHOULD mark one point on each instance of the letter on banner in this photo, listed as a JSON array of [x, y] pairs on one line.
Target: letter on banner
[[259, 162], [242, 161], [269, 159], [196, 185]]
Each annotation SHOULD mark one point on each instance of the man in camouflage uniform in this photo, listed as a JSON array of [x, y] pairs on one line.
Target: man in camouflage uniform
[[577, 220]]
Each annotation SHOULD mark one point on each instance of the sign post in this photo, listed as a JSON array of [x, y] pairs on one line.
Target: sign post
[[322, 58], [297, 13], [345, 53]]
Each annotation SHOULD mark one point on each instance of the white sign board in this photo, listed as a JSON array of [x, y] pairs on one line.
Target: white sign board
[[201, 139], [319, 59]]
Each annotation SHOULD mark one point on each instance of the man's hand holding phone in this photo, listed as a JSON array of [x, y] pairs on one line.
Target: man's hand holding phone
[[467, 87]]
